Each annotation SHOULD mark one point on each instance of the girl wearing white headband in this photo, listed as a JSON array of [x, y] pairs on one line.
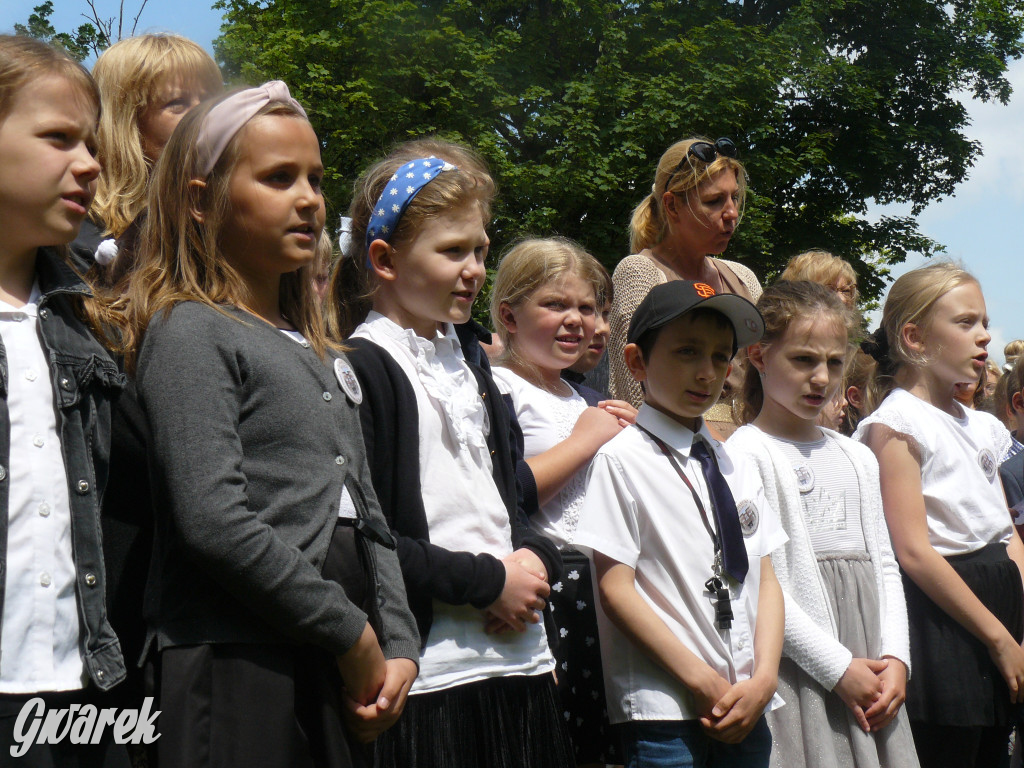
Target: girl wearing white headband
[[273, 570]]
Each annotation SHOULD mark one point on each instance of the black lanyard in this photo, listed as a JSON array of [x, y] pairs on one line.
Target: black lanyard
[[693, 491], [716, 587]]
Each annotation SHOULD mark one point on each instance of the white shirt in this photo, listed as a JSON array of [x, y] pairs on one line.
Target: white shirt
[[640, 513], [963, 496], [465, 511], [39, 637], [546, 420]]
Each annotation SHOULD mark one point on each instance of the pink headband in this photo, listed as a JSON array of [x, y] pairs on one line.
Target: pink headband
[[227, 118]]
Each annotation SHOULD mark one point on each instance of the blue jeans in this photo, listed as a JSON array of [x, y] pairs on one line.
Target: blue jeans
[[683, 744]]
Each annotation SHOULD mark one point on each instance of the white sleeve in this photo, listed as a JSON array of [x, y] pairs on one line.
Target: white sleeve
[[817, 652], [608, 518]]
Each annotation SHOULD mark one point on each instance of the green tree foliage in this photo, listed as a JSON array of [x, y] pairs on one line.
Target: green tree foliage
[[83, 42], [834, 103]]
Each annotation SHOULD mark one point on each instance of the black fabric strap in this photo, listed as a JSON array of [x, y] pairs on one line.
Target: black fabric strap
[[693, 491], [734, 551], [728, 542]]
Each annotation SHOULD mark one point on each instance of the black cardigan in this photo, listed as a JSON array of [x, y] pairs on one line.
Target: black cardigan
[[390, 430]]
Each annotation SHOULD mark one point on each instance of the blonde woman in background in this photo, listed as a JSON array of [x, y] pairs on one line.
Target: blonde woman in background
[[826, 269], [147, 84], [676, 232]]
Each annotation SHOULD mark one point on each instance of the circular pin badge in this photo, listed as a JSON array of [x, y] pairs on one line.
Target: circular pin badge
[[348, 381], [987, 462], [749, 518], [804, 478]]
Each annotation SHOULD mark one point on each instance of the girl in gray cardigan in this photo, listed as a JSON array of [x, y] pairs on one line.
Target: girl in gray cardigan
[[275, 599], [846, 656]]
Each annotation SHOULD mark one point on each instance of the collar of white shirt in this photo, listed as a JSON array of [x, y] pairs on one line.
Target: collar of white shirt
[[442, 371], [29, 308], [440, 344], [676, 436]]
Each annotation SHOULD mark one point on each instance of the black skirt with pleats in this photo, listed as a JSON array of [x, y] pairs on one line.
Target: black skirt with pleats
[[506, 722], [954, 680]]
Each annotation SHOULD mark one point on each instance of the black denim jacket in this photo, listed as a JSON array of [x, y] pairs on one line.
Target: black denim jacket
[[86, 381]]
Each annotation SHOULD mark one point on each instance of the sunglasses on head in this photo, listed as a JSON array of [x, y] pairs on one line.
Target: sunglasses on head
[[706, 152]]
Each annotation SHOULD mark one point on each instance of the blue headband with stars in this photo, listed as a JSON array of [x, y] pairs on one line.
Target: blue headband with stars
[[401, 189]]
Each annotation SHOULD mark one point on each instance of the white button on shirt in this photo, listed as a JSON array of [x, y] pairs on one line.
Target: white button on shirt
[[640, 513], [39, 636]]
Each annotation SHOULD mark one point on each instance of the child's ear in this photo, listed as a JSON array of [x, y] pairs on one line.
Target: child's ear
[[635, 362], [755, 354], [1017, 401], [912, 337], [853, 397], [195, 189], [507, 317], [382, 260]]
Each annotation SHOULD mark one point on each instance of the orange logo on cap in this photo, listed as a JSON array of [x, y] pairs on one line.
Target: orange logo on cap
[[703, 290]]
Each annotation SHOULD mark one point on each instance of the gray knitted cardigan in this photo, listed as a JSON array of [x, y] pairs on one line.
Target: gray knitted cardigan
[[253, 440]]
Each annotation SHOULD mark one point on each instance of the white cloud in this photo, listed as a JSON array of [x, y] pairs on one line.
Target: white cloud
[[998, 128]]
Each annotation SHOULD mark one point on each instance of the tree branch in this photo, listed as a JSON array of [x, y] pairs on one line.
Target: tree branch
[[135, 22], [106, 26]]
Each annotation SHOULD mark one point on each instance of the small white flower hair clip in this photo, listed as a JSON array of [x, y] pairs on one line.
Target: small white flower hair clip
[[106, 252]]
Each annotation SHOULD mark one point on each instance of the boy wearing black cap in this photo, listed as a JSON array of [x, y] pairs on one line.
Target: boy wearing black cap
[[690, 614]]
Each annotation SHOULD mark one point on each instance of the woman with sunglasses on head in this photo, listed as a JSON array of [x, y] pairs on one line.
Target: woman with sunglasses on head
[[675, 233]]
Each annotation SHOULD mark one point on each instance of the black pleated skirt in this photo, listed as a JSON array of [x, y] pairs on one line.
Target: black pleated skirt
[[954, 681], [237, 704], [229, 704], [506, 722]]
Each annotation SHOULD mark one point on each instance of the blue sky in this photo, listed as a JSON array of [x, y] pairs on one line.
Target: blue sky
[[978, 225], [192, 18]]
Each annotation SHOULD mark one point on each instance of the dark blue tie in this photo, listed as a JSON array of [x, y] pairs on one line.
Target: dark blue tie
[[727, 519]]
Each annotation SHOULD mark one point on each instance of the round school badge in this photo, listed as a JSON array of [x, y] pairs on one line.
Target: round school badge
[[749, 518], [348, 381], [804, 478], [987, 462]]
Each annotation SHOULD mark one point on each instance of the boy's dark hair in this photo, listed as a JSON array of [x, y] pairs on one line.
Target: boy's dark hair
[[649, 338]]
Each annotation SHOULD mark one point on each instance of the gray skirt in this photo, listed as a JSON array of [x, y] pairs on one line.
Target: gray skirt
[[815, 728]]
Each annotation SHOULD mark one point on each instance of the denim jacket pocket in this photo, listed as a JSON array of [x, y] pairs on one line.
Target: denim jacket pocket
[[73, 377]]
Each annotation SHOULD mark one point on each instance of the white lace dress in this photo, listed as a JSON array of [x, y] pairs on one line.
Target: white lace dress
[[546, 420]]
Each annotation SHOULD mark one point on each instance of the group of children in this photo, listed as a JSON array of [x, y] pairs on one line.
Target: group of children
[[367, 543]]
